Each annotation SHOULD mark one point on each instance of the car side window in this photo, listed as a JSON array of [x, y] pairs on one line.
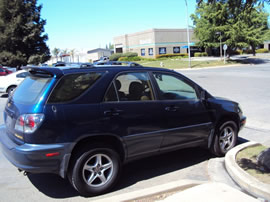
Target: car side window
[[173, 88], [72, 86], [111, 95], [132, 86]]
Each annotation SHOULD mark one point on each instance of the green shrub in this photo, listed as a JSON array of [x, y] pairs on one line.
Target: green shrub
[[172, 55], [135, 58], [130, 54], [236, 52], [130, 59], [148, 59], [262, 50], [200, 54], [248, 51], [116, 56], [123, 59]]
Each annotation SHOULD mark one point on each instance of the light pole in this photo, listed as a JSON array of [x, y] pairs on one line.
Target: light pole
[[189, 59], [220, 46]]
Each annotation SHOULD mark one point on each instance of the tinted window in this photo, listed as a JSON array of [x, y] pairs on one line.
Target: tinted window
[[111, 94], [143, 52], [72, 86], [134, 87], [176, 49], [22, 75], [150, 51], [162, 50], [173, 88], [31, 89]]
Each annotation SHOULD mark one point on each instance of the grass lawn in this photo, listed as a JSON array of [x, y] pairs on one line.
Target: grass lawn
[[246, 159], [180, 64]]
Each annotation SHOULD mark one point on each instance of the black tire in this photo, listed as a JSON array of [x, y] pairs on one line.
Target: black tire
[[225, 138], [10, 90], [99, 163]]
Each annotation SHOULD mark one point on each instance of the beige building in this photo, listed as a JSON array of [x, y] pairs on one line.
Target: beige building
[[154, 42]]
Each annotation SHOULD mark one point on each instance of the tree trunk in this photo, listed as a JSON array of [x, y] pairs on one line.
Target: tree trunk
[[253, 50]]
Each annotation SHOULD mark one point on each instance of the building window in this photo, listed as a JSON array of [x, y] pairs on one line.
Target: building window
[[143, 52], [150, 51], [176, 49], [162, 50]]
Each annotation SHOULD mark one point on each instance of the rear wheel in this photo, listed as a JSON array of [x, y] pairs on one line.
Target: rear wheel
[[95, 170], [225, 138]]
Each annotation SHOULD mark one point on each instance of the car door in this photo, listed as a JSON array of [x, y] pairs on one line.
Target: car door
[[132, 112], [187, 118]]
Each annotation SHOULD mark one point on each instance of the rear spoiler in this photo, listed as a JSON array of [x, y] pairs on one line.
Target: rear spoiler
[[44, 71]]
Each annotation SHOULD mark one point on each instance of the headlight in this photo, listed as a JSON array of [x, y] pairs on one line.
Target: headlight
[[239, 110]]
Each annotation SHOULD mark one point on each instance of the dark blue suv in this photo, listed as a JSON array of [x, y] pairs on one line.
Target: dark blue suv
[[84, 123]]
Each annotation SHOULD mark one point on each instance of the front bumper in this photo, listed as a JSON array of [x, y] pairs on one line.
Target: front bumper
[[242, 123], [32, 157]]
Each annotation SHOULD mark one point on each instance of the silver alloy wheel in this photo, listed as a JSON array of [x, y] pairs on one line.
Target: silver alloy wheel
[[97, 170], [226, 139]]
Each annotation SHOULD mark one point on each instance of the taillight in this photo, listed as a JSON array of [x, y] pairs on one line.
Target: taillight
[[28, 123]]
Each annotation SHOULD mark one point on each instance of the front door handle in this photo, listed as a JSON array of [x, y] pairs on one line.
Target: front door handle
[[113, 112]]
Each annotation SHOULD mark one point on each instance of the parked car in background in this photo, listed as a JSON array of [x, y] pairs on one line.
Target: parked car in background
[[85, 123], [10, 82], [59, 64], [4, 71], [102, 60], [72, 64]]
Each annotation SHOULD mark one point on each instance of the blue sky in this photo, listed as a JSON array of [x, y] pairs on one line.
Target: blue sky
[[90, 24]]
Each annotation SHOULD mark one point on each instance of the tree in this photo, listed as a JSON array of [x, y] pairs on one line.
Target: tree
[[55, 53], [72, 53], [233, 3], [22, 38], [111, 46], [239, 27]]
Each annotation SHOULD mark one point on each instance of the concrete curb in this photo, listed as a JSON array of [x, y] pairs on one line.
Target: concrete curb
[[151, 191], [244, 180]]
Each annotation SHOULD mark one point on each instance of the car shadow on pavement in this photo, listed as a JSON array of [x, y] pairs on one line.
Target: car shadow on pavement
[[163, 164], [4, 95], [133, 172], [52, 185]]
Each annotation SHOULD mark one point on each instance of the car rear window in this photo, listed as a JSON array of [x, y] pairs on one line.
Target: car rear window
[[31, 90], [72, 86]]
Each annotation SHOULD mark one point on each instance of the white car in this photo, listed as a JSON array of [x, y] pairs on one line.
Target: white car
[[9, 82]]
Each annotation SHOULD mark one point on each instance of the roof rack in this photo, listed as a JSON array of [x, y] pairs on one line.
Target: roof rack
[[130, 64]]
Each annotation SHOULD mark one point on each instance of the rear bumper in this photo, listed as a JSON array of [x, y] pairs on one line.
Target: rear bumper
[[32, 157]]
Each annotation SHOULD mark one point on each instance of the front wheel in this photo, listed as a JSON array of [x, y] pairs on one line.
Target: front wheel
[[10, 90], [225, 138], [95, 171]]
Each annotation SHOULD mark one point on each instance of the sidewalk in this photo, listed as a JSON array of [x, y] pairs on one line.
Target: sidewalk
[[211, 192]]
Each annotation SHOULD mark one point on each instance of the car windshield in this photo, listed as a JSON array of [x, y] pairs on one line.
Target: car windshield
[[31, 89]]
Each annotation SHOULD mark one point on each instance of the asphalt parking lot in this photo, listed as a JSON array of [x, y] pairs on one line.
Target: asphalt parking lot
[[249, 85]]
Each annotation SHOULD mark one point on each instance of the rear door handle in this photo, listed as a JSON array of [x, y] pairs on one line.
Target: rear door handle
[[171, 108]]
